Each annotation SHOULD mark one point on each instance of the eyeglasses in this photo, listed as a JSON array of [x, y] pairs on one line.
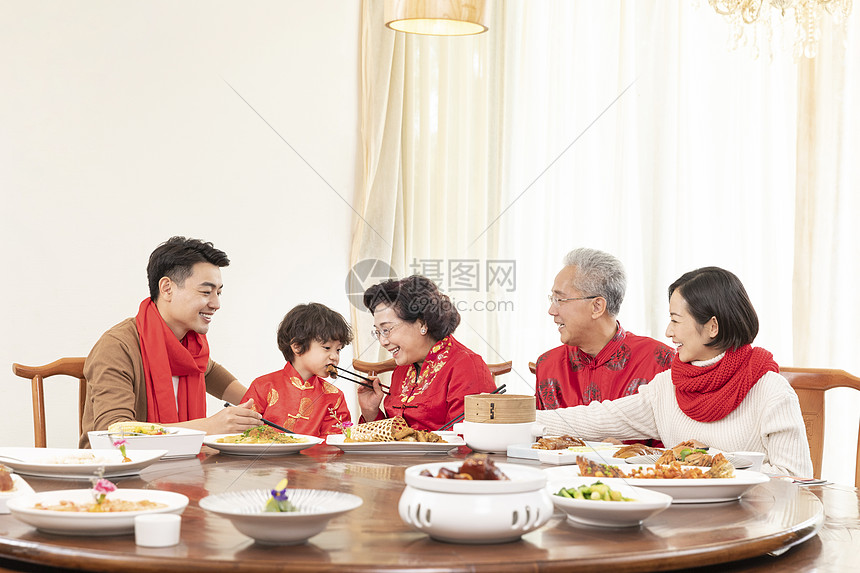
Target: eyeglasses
[[554, 300], [377, 334]]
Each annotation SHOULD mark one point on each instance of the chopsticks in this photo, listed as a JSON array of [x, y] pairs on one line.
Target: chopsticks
[[267, 422], [356, 376], [450, 424]]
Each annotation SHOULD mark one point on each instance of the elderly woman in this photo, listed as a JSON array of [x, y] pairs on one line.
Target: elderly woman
[[720, 390], [415, 322]]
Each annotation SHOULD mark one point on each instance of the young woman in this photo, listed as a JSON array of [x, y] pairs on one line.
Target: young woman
[[415, 322], [720, 390]]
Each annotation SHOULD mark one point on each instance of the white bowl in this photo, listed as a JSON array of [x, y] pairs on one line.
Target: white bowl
[[600, 513], [479, 511], [496, 438], [316, 507], [179, 443], [19, 487]]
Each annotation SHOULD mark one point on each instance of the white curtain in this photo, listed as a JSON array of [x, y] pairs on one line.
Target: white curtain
[[629, 127]]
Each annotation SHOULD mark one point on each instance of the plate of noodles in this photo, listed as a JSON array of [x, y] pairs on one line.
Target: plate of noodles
[[261, 441], [68, 512], [76, 464]]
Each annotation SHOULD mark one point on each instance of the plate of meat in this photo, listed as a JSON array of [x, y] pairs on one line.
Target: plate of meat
[[558, 444]]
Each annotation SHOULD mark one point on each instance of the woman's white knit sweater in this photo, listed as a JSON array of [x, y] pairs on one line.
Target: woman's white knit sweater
[[767, 420]]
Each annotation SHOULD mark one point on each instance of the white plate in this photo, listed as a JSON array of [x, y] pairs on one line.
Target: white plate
[[260, 449], [526, 451], [681, 490], [316, 508], [739, 462], [646, 503], [452, 441], [19, 487], [179, 443], [81, 523], [595, 451], [46, 462]]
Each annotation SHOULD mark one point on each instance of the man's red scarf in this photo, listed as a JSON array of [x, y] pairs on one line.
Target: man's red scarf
[[164, 357], [710, 393]]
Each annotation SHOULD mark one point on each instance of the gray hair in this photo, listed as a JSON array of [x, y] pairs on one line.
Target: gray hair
[[599, 273]]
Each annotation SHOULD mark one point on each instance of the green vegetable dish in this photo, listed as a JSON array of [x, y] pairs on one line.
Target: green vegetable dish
[[597, 491]]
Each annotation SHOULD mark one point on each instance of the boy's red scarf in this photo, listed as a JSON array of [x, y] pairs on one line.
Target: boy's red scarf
[[164, 357], [710, 393]]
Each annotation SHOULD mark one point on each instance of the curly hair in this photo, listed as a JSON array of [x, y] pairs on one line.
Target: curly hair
[[715, 292], [308, 322], [414, 298], [175, 258]]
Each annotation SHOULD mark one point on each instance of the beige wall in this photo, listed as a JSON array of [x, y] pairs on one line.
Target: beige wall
[[118, 129]]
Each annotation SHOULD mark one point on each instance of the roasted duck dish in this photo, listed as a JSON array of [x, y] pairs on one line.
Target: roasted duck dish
[[557, 443], [475, 467], [635, 450]]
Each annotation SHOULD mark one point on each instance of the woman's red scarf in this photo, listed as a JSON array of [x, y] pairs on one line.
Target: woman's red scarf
[[164, 357], [710, 393]]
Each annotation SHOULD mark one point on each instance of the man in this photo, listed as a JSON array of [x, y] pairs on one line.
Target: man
[[598, 359], [155, 367]]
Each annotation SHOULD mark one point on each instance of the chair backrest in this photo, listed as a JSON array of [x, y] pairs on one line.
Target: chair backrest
[[389, 365], [532, 368], [810, 385], [73, 367]]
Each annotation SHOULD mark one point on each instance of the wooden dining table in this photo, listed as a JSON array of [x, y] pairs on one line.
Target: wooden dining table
[[776, 526]]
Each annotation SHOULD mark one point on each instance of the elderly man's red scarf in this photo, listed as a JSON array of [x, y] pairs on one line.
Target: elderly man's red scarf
[[164, 357], [710, 393]]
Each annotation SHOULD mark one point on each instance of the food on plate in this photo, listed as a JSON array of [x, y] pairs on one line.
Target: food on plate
[[261, 435], [279, 502], [475, 467], [106, 506], [589, 468], [557, 443], [598, 491], [631, 450], [134, 427], [6, 483], [720, 468], [687, 452], [389, 430], [71, 459]]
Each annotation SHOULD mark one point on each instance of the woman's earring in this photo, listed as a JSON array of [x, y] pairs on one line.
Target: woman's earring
[[423, 331]]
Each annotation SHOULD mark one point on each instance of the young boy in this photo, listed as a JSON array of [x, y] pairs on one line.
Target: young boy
[[298, 398]]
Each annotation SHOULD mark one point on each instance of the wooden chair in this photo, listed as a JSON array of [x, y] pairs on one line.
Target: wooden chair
[[389, 365], [810, 384], [36, 374], [532, 368]]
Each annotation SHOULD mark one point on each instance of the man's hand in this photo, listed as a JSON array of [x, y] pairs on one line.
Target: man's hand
[[233, 419]]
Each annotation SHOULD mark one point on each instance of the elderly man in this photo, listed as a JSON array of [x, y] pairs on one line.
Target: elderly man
[[598, 359], [155, 367]]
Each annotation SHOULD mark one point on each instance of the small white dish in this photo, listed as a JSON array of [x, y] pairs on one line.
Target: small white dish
[[179, 443], [475, 511], [316, 507], [19, 487], [260, 449], [76, 464], [157, 529], [83, 523], [608, 513], [600, 453]]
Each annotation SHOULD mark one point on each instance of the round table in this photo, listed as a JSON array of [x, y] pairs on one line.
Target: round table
[[769, 519]]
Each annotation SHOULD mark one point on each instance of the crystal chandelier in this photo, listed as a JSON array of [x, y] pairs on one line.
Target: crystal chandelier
[[754, 18]]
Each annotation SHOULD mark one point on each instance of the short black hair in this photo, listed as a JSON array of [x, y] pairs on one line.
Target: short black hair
[[414, 298], [308, 322], [175, 258], [715, 292]]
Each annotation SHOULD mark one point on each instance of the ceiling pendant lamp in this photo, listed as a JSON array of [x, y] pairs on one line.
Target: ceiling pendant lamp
[[437, 17]]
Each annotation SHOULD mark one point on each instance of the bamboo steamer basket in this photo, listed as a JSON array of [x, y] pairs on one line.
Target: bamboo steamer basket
[[499, 409]]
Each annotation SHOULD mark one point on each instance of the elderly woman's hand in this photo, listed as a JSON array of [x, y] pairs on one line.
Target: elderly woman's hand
[[370, 399]]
